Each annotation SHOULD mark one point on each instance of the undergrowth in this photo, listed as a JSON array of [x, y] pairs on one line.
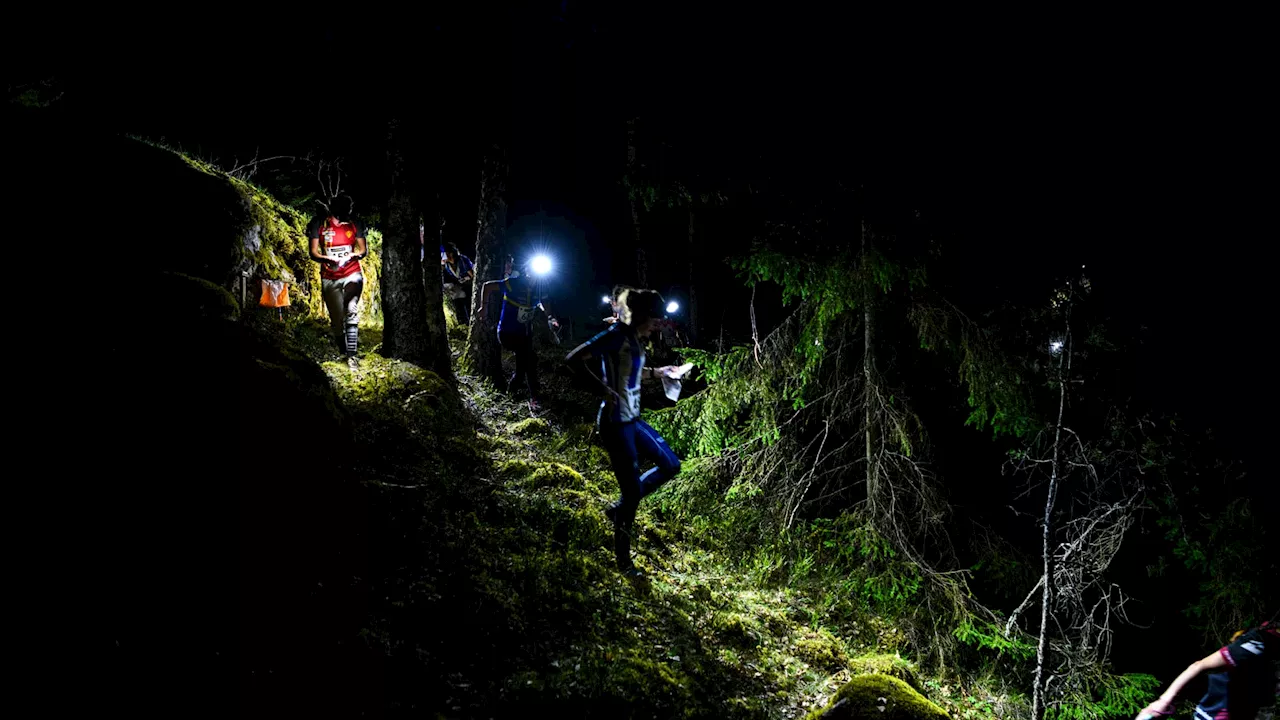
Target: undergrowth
[[494, 592]]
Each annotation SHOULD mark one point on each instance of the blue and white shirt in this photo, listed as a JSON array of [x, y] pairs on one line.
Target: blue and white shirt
[[621, 358]]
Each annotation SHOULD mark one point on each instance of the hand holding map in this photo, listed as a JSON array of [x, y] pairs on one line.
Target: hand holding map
[[675, 372], [671, 375]]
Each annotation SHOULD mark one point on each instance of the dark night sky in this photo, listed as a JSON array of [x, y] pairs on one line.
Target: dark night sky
[[1130, 144]]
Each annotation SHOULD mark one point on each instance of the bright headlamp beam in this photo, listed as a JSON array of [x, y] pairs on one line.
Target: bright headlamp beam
[[673, 306], [540, 264]]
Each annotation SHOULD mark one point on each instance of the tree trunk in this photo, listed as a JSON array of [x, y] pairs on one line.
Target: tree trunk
[[441, 358], [693, 286], [412, 309], [1042, 649], [868, 381], [484, 356]]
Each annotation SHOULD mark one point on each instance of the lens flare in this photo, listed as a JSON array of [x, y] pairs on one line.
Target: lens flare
[[541, 264]]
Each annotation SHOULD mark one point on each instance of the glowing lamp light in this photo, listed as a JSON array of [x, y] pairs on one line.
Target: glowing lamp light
[[541, 265], [673, 306], [604, 299], [1055, 347]]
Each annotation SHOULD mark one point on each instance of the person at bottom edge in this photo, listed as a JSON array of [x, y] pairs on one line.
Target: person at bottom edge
[[615, 358], [1242, 678]]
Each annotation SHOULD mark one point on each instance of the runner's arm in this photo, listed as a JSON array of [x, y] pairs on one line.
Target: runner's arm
[[1164, 704], [362, 248], [319, 256], [579, 359], [313, 234], [485, 291]]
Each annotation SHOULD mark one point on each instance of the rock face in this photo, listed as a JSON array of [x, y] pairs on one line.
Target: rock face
[[172, 213], [878, 696]]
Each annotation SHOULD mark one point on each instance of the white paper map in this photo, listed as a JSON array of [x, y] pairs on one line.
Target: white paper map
[[671, 380], [678, 371]]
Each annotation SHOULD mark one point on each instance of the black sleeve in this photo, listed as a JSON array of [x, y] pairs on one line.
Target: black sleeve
[[1252, 648], [313, 228]]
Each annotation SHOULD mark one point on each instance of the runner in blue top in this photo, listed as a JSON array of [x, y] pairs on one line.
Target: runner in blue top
[[459, 272], [615, 358], [521, 298]]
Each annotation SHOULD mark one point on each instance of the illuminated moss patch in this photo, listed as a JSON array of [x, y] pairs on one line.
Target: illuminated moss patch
[[878, 696]]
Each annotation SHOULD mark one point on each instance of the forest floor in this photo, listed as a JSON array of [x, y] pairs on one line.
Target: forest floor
[[491, 585]]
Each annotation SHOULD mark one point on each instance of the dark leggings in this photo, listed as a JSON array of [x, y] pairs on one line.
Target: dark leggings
[[627, 442], [526, 362]]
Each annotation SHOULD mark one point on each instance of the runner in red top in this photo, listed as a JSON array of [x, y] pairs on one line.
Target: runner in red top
[[338, 244]]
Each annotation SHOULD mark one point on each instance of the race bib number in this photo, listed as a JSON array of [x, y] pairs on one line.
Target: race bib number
[[526, 315], [340, 254]]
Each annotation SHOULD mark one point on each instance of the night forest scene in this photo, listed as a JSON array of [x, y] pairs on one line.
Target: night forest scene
[[780, 361]]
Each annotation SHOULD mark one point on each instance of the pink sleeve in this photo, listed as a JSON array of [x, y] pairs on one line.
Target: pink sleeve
[[1227, 656]]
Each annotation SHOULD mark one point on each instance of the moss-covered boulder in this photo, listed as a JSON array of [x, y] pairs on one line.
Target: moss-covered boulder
[[886, 664], [878, 696], [397, 392]]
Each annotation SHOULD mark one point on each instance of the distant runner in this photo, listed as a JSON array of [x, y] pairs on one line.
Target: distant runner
[[459, 272], [521, 298]]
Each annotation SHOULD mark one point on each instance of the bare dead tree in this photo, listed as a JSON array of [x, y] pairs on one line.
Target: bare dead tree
[[246, 170], [329, 175], [1077, 601]]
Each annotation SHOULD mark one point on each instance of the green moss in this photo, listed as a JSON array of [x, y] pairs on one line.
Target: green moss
[[821, 649], [736, 629], [515, 468], [404, 399], [557, 475], [882, 697], [886, 664], [529, 427], [632, 674]]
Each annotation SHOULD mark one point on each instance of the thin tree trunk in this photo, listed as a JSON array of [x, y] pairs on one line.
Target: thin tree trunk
[[1042, 649], [868, 379], [438, 352], [484, 357]]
